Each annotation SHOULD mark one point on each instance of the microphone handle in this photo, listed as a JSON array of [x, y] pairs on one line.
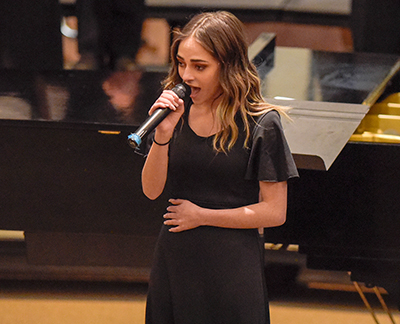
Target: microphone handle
[[135, 139]]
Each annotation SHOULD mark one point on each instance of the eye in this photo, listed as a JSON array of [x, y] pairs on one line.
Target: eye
[[200, 67]]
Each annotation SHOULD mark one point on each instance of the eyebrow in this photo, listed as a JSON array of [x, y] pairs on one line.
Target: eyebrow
[[192, 60]]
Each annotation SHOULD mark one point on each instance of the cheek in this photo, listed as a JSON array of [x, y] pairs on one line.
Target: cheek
[[214, 83], [181, 71], [216, 77]]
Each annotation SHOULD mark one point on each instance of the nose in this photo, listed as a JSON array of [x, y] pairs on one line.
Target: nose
[[187, 75]]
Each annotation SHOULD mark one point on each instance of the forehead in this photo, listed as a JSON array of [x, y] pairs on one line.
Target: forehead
[[190, 49]]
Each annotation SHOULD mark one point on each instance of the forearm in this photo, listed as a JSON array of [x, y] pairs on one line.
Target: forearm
[[262, 214], [269, 212], [154, 173]]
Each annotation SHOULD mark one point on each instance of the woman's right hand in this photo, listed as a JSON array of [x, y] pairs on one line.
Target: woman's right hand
[[170, 100]]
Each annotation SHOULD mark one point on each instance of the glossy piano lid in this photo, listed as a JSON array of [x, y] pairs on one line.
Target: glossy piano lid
[[307, 75], [78, 98], [329, 93]]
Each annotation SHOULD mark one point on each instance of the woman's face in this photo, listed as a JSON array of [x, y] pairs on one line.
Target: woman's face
[[199, 70]]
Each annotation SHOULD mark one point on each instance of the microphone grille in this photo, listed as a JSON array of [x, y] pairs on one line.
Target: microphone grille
[[181, 90]]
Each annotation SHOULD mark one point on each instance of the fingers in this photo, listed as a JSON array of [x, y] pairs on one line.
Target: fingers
[[176, 226], [178, 216], [171, 219], [175, 201], [176, 229], [168, 99]]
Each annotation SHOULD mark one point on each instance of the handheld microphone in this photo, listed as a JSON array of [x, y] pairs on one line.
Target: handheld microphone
[[135, 139]]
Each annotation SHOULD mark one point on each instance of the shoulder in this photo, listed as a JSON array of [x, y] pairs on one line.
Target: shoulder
[[269, 120]]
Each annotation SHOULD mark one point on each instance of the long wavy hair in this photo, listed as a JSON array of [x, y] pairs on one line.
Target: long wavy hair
[[222, 35]]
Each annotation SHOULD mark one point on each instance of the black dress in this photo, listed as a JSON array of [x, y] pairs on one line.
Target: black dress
[[208, 274]]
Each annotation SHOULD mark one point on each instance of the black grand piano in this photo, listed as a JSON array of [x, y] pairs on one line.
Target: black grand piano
[[71, 183], [343, 211]]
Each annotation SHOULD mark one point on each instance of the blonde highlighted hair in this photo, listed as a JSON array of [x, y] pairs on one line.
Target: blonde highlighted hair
[[222, 35]]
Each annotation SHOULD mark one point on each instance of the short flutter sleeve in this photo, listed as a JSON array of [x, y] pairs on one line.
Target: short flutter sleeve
[[270, 157]]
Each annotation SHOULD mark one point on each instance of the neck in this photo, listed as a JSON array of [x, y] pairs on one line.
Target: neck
[[203, 120]]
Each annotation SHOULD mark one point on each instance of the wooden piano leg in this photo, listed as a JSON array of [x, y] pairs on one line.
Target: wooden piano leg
[[366, 303], [381, 300], [384, 306]]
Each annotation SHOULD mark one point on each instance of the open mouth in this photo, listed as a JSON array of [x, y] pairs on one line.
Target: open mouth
[[194, 91]]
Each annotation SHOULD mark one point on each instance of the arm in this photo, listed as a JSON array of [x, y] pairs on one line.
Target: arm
[[154, 173], [269, 212]]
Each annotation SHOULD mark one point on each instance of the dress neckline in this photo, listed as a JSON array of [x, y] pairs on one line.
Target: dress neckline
[[199, 136], [191, 129]]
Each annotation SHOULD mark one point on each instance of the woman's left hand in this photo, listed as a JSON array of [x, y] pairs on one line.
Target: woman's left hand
[[183, 215]]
